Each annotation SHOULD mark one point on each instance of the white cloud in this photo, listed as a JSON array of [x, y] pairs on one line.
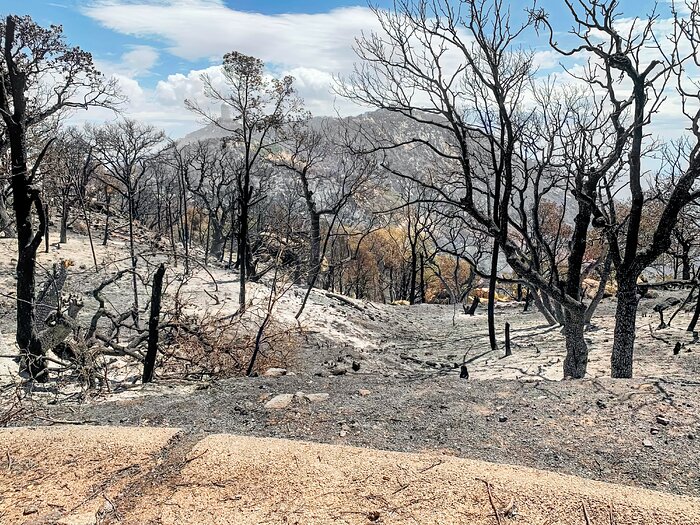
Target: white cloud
[[204, 29], [137, 62], [310, 47], [140, 60], [543, 60]]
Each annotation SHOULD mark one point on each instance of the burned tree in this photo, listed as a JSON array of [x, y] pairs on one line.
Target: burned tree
[[259, 108], [456, 74], [31, 56], [124, 151], [636, 56], [329, 175]]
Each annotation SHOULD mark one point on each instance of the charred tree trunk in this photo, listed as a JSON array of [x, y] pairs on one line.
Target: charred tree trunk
[[46, 228], [509, 352], [576, 359], [24, 198], [315, 245], [422, 279], [491, 307], [685, 261], [242, 261], [472, 308], [414, 271], [544, 310], [218, 239], [63, 236], [696, 315], [171, 229], [600, 292], [149, 364], [108, 198], [625, 325], [132, 253], [28, 242]]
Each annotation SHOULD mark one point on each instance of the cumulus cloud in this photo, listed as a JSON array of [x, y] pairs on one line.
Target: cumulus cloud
[[310, 47]]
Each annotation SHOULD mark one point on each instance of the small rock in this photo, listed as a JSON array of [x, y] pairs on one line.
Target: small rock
[[355, 366], [343, 433], [502, 419], [30, 510], [654, 431], [662, 420], [364, 392], [601, 404], [275, 372], [106, 508], [86, 518], [339, 371], [280, 401], [691, 436], [315, 398], [648, 443]]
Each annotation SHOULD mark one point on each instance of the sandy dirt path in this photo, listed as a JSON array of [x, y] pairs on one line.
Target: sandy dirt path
[[88, 475]]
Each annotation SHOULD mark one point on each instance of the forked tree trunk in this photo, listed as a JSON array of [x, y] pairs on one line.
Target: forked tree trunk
[[625, 325], [28, 242]]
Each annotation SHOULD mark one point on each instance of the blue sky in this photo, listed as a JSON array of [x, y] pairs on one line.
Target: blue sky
[[158, 48]]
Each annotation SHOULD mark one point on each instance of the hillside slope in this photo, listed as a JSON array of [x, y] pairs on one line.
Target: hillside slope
[[137, 476]]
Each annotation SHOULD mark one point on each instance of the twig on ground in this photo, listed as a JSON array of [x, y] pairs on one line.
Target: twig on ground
[[190, 460], [493, 505], [432, 466], [65, 421], [585, 513]]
